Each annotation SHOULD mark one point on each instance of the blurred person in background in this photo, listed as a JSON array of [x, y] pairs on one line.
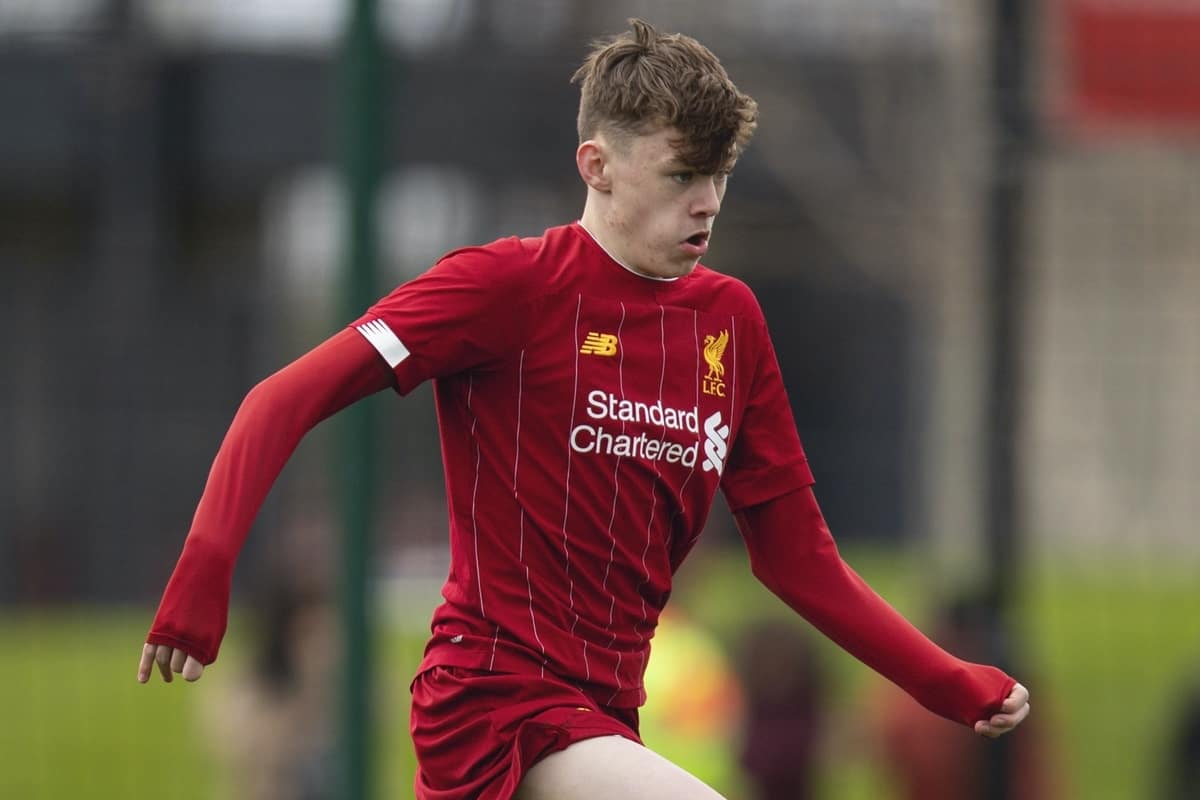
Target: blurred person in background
[[595, 386], [1183, 750], [271, 726], [695, 721], [784, 720], [927, 758]]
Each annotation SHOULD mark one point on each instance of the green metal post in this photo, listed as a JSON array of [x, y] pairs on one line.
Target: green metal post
[[359, 142], [1012, 133]]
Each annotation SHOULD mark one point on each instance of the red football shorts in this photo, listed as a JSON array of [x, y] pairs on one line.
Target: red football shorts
[[477, 733]]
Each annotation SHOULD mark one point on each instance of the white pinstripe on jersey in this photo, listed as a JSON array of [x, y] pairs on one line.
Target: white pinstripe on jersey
[[613, 515], [567, 492], [662, 375], [475, 519], [733, 347], [474, 492], [699, 377], [521, 510]]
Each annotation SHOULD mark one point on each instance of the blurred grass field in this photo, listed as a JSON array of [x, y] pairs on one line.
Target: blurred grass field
[[1110, 647]]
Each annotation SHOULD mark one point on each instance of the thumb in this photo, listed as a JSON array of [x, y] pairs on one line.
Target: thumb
[[1016, 699]]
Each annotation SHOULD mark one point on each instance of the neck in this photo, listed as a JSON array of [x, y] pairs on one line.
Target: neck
[[592, 221]]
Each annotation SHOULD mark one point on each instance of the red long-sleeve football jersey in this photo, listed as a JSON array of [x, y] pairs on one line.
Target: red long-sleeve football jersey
[[588, 416]]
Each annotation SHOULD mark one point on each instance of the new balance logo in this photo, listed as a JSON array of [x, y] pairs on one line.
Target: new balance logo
[[599, 344], [716, 443]]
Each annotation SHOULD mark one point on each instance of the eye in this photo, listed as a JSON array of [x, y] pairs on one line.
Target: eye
[[683, 177]]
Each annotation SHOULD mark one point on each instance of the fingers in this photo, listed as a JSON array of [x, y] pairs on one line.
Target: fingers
[[192, 670], [147, 663], [163, 658], [1013, 712], [168, 660], [1000, 724]]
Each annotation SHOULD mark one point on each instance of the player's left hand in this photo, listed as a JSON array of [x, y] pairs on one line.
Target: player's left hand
[[169, 660], [1013, 710]]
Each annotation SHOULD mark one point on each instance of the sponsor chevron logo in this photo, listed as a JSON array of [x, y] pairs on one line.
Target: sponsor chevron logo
[[716, 443]]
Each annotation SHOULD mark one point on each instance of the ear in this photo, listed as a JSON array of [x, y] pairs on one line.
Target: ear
[[592, 160]]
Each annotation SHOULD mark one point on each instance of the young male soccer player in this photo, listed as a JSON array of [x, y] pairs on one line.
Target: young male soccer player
[[595, 386]]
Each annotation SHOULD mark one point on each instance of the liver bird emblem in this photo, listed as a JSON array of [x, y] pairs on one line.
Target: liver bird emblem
[[714, 351]]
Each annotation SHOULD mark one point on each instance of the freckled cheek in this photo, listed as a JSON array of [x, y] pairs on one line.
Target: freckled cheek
[[618, 221]]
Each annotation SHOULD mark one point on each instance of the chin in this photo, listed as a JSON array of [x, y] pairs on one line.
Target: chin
[[674, 271]]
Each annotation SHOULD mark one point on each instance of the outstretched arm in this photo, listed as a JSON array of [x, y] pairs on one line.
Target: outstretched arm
[[275, 415], [794, 555]]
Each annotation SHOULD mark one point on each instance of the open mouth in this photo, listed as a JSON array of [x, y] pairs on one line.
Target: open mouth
[[697, 239]]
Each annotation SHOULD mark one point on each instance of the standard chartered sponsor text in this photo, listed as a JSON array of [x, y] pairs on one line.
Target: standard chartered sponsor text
[[605, 406]]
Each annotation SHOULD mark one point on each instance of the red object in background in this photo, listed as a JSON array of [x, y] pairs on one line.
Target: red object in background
[[1132, 64]]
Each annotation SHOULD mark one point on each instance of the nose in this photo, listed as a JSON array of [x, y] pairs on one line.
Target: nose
[[707, 201]]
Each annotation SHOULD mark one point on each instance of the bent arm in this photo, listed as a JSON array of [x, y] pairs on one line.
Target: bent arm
[[793, 554], [271, 421]]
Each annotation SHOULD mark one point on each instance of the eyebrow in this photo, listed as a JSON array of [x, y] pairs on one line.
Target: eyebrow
[[676, 165]]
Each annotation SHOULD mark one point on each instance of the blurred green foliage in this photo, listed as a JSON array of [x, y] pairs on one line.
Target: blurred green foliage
[[1108, 647]]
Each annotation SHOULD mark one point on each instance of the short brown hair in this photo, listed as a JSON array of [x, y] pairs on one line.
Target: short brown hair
[[643, 79]]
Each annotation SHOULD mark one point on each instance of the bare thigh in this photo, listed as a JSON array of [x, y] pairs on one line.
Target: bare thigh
[[606, 767]]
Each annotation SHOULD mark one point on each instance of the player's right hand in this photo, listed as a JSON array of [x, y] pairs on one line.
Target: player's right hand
[[168, 659], [1014, 709]]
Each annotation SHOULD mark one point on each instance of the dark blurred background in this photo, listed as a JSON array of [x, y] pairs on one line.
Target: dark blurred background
[[972, 227]]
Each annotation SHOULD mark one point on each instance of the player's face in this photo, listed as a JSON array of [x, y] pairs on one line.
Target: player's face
[[661, 210]]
